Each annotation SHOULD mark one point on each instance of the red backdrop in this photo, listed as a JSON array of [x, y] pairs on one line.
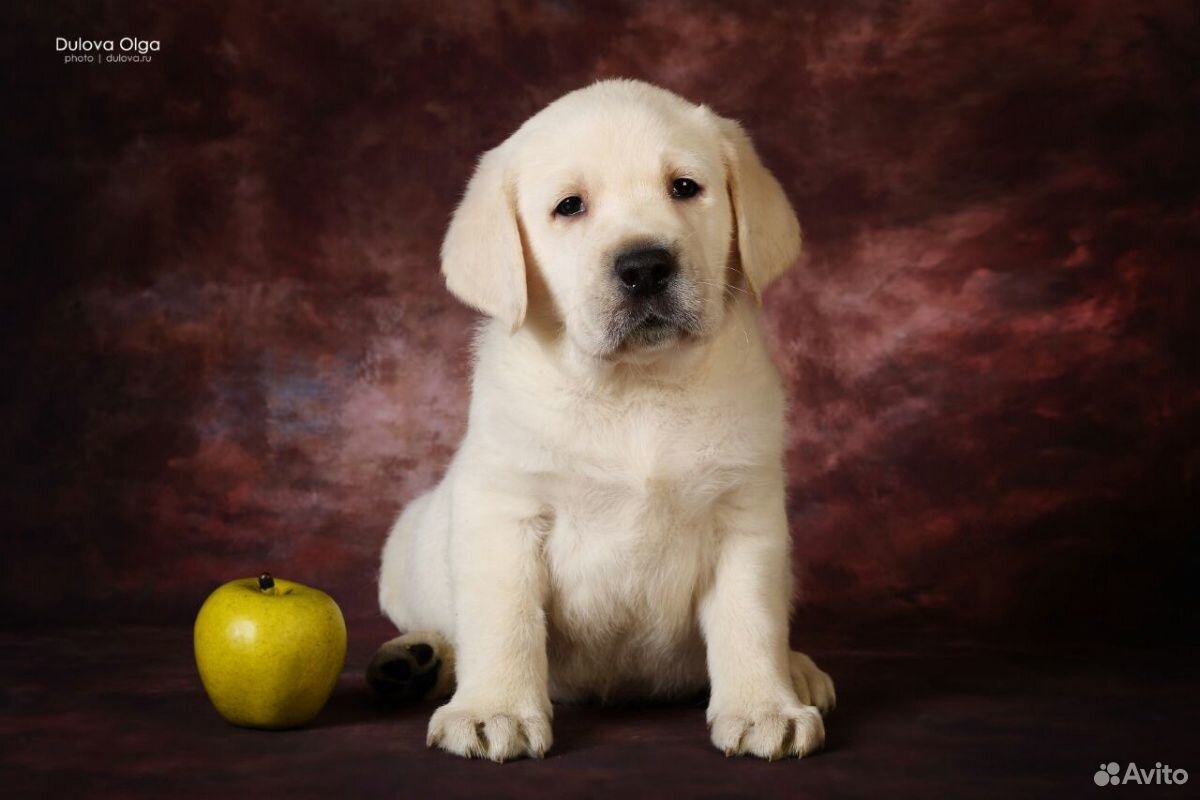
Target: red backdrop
[[228, 348]]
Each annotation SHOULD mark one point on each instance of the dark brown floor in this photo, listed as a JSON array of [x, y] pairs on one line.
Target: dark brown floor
[[121, 713]]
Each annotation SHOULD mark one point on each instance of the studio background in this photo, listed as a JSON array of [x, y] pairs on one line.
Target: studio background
[[227, 346]]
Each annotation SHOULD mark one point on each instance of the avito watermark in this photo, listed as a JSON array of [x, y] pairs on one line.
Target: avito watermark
[[1110, 774]]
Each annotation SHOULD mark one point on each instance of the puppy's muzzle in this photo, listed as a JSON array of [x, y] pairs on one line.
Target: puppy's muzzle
[[645, 272], [656, 305]]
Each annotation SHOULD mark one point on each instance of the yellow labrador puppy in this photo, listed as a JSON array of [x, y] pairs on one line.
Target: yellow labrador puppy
[[612, 526]]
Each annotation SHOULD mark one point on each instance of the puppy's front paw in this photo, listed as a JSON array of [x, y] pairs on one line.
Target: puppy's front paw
[[482, 731], [770, 731]]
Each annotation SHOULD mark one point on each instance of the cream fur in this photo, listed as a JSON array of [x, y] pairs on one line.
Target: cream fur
[[612, 525]]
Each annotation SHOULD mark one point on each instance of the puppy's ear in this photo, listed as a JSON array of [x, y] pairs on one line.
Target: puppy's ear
[[482, 256], [768, 233]]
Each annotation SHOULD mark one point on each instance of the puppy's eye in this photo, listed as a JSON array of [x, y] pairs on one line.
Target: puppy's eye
[[683, 188], [569, 206]]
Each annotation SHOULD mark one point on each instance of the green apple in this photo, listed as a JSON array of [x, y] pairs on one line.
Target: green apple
[[269, 651]]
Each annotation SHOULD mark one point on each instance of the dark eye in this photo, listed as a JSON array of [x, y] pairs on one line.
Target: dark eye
[[569, 206], [683, 188]]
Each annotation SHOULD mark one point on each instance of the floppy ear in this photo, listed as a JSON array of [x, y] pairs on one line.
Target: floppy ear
[[768, 233], [482, 256]]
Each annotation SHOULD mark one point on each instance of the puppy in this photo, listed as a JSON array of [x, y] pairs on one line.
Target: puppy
[[612, 526]]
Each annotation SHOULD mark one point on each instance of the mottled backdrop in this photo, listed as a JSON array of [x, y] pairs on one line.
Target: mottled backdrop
[[227, 347]]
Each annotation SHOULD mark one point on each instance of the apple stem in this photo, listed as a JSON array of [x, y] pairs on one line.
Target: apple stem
[[266, 582]]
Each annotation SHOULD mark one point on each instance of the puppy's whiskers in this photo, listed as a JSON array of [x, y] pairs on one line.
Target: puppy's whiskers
[[741, 322], [725, 287]]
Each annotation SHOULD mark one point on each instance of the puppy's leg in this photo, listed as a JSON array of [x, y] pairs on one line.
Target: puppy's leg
[[416, 666], [813, 685], [754, 708], [501, 708]]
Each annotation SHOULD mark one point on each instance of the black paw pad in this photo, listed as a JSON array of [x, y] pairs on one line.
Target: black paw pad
[[398, 670], [404, 673], [421, 652]]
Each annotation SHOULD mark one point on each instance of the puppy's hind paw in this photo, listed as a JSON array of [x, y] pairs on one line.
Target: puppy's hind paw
[[415, 666], [813, 685]]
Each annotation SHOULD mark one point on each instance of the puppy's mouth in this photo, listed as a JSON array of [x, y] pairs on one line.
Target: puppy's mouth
[[654, 322], [651, 331], [651, 325]]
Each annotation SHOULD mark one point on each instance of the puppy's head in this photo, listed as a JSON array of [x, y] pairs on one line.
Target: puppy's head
[[623, 214]]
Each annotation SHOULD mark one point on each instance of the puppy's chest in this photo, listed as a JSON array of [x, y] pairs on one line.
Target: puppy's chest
[[635, 502], [650, 463]]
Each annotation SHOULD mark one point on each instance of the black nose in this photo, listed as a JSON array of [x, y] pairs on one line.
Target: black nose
[[645, 272]]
